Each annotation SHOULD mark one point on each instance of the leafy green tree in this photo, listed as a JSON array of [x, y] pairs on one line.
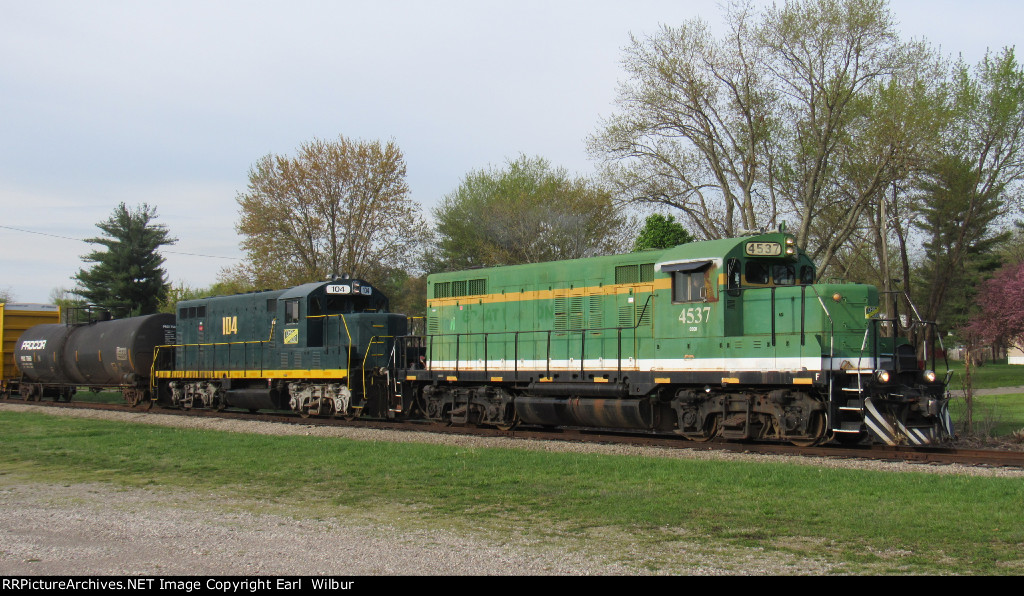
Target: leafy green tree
[[127, 277], [336, 207], [528, 212], [971, 185], [660, 231], [6, 295], [957, 216]]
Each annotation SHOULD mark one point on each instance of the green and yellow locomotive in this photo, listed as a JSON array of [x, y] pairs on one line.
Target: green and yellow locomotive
[[730, 338], [323, 348]]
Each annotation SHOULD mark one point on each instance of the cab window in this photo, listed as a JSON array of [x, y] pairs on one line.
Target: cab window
[[783, 275], [688, 286], [757, 272], [291, 312]]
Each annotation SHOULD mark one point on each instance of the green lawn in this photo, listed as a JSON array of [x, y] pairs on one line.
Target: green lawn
[[994, 415], [651, 513], [986, 376]]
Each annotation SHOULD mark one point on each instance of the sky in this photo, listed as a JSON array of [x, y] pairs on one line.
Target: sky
[[170, 103]]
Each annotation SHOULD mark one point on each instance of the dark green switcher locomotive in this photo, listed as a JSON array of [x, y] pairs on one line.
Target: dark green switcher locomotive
[[732, 338], [324, 348]]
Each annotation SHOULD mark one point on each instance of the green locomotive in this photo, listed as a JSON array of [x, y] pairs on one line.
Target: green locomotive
[[732, 338], [322, 348]]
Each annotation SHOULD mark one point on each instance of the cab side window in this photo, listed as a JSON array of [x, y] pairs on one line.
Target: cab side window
[[735, 275], [688, 286], [291, 312]]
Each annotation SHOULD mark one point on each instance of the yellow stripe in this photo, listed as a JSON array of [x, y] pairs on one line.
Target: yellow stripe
[[803, 381], [730, 380], [662, 380], [252, 374], [657, 284]]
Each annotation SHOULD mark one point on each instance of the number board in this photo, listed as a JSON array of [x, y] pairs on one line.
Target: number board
[[764, 249]]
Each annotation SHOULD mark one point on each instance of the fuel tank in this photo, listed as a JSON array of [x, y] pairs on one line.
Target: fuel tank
[[104, 353]]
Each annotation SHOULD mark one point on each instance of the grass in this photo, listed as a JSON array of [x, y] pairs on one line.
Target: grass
[[649, 512], [994, 415], [987, 376]]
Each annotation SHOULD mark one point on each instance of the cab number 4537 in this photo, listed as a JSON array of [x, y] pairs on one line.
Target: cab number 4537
[[695, 315]]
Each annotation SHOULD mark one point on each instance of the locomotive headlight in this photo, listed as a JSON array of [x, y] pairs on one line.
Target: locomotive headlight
[[837, 297], [882, 376], [790, 250], [929, 376]]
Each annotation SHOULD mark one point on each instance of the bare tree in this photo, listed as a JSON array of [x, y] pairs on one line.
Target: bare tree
[[694, 119], [804, 112]]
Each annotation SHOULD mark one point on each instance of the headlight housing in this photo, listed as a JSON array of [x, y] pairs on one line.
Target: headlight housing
[[929, 376], [882, 376]]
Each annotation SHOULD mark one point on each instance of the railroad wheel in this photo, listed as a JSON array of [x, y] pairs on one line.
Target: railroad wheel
[[817, 430], [514, 422], [710, 431], [133, 397]]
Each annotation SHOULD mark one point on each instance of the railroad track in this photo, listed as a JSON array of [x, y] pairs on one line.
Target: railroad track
[[924, 455]]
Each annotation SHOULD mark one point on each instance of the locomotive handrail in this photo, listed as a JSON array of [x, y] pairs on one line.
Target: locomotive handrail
[[373, 341], [214, 345], [583, 331]]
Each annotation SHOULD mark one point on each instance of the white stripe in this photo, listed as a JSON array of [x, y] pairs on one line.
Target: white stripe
[[879, 432], [874, 414], [767, 364], [646, 364]]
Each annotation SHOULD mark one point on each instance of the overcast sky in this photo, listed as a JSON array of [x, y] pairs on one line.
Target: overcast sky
[[170, 103]]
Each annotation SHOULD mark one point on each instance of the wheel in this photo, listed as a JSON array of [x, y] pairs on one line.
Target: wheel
[[514, 422], [710, 431], [817, 428]]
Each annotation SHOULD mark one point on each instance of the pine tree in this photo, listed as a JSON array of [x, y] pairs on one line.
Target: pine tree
[[127, 278]]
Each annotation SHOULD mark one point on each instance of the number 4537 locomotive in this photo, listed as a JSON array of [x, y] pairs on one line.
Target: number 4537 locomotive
[[731, 338]]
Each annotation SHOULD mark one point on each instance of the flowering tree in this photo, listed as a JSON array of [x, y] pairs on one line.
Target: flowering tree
[[1000, 321], [1001, 317]]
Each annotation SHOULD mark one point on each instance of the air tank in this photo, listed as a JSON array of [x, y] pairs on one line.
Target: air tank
[[100, 354]]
